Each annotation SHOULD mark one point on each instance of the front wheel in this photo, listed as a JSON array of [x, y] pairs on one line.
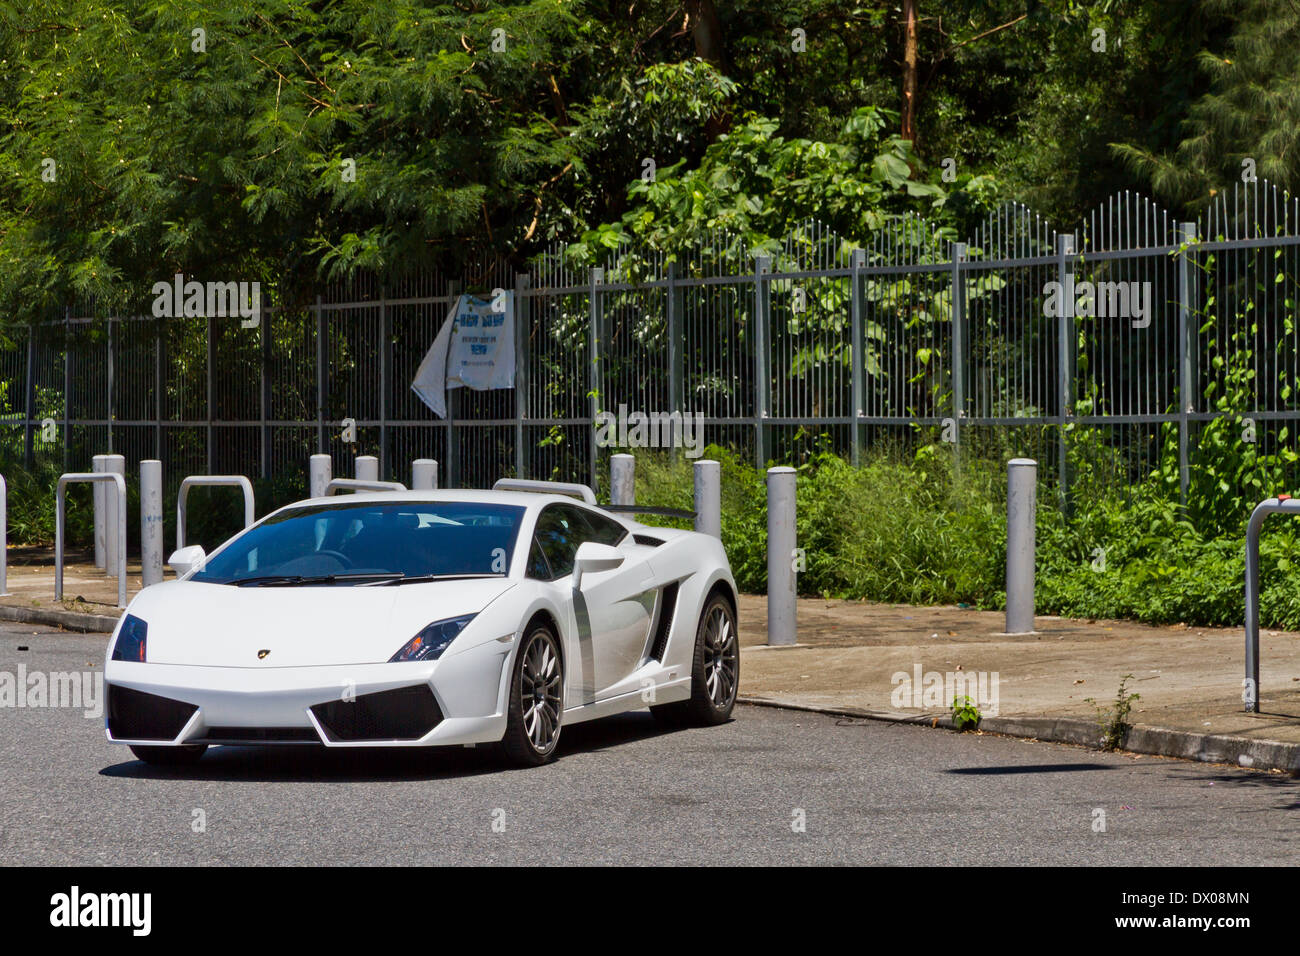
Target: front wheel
[[536, 693], [170, 756], [715, 670]]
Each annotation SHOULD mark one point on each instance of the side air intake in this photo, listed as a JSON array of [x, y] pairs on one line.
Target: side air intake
[[664, 623]]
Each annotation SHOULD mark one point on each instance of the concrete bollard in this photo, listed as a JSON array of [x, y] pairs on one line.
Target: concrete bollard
[[151, 522], [1022, 487], [367, 468], [708, 497], [319, 472], [424, 475], [781, 543], [113, 522], [622, 480], [98, 497]]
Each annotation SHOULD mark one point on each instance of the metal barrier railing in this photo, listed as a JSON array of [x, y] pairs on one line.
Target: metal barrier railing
[[232, 481], [59, 521], [359, 484], [1250, 684]]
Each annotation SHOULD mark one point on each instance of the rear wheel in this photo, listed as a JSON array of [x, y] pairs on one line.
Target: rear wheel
[[170, 756], [536, 692], [715, 671]]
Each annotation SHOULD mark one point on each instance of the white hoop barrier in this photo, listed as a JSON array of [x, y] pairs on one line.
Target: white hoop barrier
[[234, 481], [1250, 683], [356, 484], [120, 532]]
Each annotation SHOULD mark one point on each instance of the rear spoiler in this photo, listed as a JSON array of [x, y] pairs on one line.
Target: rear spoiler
[[547, 487], [646, 510]]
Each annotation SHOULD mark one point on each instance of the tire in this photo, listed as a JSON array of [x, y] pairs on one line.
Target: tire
[[715, 671], [170, 756], [536, 700]]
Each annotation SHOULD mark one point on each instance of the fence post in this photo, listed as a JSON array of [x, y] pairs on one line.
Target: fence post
[[1186, 356], [1065, 362], [622, 480], [211, 392], [452, 456], [384, 375], [67, 385], [958, 348], [320, 468], [521, 371], [1022, 486], [264, 330], [708, 497], [108, 379], [158, 341], [4, 537], [424, 475], [100, 510], [857, 263], [781, 544], [367, 468], [151, 522], [762, 363], [321, 373], [596, 383], [673, 306], [113, 522], [29, 454]]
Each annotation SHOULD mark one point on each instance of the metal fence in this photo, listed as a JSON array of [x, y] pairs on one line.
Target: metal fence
[[785, 350]]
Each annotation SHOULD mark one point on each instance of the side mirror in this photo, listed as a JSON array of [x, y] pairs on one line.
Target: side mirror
[[593, 558], [187, 559]]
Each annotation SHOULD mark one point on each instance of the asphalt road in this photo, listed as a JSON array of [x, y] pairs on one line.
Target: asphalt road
[[622, 791]]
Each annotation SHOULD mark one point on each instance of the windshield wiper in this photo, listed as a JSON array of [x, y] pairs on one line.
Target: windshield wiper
[[422, 578], [293, 580]]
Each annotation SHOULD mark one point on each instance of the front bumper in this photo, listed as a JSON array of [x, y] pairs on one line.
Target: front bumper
[[453, 701]]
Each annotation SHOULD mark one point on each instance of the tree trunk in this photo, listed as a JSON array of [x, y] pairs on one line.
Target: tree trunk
[[702, 22], [704, 26], [909, 71]]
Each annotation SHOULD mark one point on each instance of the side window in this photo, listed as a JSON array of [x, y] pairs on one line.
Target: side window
[[603, 530], [538, 567], [558, 535]]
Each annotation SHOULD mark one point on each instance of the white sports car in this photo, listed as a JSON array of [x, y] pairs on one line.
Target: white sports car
[[426, 618]]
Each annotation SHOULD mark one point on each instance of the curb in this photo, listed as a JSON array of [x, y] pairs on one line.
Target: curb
[[1155, 741], [68, 620]]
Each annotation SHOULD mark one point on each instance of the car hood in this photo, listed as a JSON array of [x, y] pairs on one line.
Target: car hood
[[219, 625]]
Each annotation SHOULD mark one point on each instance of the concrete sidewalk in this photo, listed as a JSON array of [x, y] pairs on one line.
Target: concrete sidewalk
[[852, 658]]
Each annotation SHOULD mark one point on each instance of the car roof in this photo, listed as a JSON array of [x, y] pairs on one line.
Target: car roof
[[526, 499]]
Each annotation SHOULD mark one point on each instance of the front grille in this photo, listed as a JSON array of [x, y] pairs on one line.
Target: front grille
[[407, 713], [135, 715], [261, 735]]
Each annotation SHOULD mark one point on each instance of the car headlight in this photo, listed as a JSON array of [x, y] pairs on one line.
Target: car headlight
[[429, 644], [131, 640]]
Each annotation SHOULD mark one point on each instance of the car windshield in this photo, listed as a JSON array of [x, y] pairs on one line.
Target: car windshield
[[379, 543]]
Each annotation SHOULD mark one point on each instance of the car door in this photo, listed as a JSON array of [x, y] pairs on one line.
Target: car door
[[610, 615]]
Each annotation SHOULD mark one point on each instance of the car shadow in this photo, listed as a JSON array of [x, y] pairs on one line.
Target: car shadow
[[293, 763]]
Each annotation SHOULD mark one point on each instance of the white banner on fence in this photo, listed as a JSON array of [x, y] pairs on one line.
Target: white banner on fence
[[475, 348]]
